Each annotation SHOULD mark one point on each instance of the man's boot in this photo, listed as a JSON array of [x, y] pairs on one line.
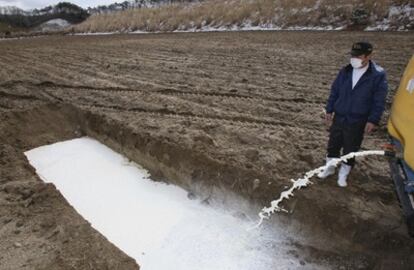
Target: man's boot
[[343, 174], [328, 171]]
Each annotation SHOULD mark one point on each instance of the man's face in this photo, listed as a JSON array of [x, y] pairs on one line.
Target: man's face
[[364, 58]]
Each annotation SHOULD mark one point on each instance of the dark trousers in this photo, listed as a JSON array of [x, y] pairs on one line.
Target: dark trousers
[[347, 137]]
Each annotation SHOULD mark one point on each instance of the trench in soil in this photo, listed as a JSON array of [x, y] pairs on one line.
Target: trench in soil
[[151, 220], [174, 216], [207, 181]]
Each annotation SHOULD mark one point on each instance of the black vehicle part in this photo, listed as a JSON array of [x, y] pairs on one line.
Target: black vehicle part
[[406, 199]]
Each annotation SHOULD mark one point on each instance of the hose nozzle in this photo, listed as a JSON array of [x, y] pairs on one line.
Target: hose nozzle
[[390, 150]]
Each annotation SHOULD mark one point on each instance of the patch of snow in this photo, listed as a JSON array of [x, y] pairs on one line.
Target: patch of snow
[[263, 27], [58, 22], [18, 38], [101, 33], [233, 28], [156, 223], [384, 26], [53, 25], [399, 18]]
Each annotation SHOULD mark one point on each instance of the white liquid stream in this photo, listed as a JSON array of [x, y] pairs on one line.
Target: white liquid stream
[[155, 223], [305, 181]]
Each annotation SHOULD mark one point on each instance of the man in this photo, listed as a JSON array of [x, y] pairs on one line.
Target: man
[[354, 107]]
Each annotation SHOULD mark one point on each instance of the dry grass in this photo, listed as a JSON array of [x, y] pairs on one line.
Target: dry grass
[[216, 13]]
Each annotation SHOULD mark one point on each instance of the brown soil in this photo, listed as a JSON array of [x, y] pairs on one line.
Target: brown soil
[[210, 112]]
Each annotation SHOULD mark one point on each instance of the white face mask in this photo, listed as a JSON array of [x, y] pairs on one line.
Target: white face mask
[[356, 62]]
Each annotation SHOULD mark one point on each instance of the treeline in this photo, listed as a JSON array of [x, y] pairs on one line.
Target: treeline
[[64, 10]]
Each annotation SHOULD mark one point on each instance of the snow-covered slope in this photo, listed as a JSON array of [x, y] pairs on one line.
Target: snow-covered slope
[[399, 18], [214, 15], [50, 18]]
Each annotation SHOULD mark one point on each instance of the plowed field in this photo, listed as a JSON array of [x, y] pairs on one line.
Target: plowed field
[[211, 112]]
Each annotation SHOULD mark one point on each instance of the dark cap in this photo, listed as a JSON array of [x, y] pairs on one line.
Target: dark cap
[[360, 48]]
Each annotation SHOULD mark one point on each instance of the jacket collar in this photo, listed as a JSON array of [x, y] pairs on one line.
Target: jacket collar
[[365, 76]]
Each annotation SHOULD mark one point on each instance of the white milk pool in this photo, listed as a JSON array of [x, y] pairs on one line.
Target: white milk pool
[[155, 223]]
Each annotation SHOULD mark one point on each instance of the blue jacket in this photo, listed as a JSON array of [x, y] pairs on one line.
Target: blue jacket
[[364, 103]]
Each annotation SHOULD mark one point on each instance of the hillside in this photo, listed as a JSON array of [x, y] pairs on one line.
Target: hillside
[[13, 18], [11, 10], [213, 15]]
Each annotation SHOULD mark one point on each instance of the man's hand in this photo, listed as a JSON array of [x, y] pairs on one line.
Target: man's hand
[[369, 127], [328, 119]]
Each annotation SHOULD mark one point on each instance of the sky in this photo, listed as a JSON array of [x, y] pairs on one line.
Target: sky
[[31, 4]]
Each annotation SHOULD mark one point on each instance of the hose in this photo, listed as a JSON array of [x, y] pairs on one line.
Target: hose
[[266, 212]]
